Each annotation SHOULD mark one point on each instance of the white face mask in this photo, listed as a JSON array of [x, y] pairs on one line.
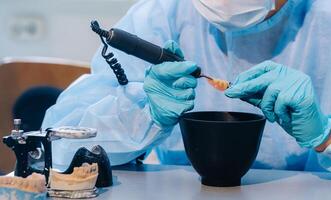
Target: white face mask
[[234, 14]]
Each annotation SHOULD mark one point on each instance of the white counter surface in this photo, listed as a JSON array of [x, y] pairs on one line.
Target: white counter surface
[[151, 182]]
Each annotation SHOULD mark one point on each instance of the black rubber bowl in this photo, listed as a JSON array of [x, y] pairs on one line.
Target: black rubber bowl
[[221, 146]]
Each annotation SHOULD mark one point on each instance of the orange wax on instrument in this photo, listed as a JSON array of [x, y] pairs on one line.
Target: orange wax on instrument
[[218, 84]]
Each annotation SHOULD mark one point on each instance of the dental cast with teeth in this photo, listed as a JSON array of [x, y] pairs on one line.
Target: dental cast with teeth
[[33, 183], [82, 178], [32, 187]]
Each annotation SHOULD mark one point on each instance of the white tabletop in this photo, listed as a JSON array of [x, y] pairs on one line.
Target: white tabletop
[[150, 182]]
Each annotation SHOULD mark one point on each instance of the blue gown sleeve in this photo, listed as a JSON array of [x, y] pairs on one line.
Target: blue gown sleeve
[[120, 113], [324, 158]]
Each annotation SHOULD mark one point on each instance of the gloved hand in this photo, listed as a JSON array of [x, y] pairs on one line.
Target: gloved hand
[[170, 88], [286, 96]]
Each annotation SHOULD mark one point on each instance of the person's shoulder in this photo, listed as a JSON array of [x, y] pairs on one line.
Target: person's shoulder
[[159, 4], [321, 4], [166, 13], [316, 20], [320, 8], [167, 6], [170, 3]]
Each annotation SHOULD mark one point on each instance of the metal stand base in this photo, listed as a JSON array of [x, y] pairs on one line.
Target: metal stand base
[[75, 194]]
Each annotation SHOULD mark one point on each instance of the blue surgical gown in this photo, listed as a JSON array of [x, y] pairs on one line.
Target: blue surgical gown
[[297, 36]]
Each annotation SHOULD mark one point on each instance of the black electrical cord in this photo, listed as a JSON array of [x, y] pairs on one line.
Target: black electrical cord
[[112, 62]]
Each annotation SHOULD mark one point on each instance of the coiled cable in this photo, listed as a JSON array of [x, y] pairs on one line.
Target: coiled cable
[[109, 57]]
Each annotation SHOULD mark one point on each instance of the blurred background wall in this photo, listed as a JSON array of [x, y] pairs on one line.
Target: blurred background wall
[[55, 28], [46, 28]]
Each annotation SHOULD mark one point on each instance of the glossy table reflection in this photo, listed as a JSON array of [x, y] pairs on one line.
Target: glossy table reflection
[[150, 182]]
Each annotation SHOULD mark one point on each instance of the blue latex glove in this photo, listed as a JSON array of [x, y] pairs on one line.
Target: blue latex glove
[[286, 96], [170, 88]]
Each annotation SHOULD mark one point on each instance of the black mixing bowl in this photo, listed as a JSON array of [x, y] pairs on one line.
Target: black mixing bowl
[[221, 146]]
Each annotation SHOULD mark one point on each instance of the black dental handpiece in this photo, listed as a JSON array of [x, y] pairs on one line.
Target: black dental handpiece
[[135, 46]]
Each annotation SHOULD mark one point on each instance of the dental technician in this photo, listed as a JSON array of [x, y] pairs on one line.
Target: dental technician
[[277, 53]]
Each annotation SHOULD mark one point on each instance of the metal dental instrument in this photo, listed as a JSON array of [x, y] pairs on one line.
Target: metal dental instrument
[[135, 46]]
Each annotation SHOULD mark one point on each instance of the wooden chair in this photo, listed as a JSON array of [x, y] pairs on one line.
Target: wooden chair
[[20, 74]]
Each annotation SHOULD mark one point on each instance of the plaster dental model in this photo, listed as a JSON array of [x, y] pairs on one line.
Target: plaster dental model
[[96, 155], [69, 185], [82, 178], [32, 187]]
